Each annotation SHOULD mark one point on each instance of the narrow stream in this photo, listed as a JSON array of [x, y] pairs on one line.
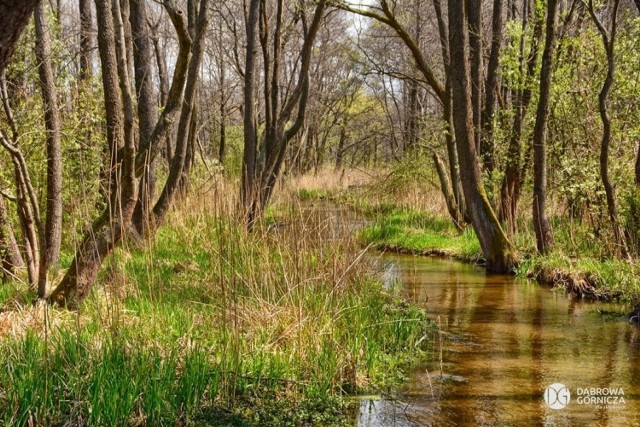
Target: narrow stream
[[504, 341]]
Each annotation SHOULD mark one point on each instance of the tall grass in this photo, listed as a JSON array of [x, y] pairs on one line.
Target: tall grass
[[209, 319]]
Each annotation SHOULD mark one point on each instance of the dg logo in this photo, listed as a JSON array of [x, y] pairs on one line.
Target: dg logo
[[557, 396]]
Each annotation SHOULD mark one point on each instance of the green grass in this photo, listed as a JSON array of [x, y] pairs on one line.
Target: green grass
[[576, 266], [410, 231], [305, 194], [606, 279], [209, 326]]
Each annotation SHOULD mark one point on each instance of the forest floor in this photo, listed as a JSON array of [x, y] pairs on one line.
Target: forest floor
[[409, 219], [211, 325]]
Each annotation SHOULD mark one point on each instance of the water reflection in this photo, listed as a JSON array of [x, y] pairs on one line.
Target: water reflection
[[504, 341]]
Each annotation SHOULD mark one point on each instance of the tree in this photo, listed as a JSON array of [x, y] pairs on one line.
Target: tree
[[10, 258], [147, 116], [608, 42], [544, 236], [496, 247], [127, 160], [250, 151], [14, 16], [449, 183], [516, 167], [53, 224], [261, 174], [491, 87]]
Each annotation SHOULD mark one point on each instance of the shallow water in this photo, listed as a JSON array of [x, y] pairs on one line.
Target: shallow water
[[503, 342]]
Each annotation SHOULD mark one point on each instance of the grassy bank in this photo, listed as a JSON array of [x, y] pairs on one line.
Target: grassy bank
[[209, 325], [407, 216], [588, 275]]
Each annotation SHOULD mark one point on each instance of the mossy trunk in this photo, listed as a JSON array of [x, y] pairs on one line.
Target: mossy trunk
[[494, 242]]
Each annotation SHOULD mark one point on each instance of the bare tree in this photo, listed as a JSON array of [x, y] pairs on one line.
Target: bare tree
[[278, 109], [496, 247], [53, 225], [544, 236], [129, 161]]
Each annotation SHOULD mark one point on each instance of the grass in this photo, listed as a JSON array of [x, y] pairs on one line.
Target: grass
[[210, 325], [401, 229], [576, 266], [408, 216]]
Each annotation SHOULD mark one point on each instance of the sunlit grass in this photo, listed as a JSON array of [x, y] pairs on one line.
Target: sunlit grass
[[420, 233], [208, 323]]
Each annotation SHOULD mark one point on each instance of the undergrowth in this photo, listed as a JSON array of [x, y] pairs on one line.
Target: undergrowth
[[210, 325]]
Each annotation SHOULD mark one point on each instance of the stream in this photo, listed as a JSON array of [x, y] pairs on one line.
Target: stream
[[503, 341]]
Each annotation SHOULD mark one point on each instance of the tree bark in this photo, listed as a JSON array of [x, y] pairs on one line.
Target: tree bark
[[608, 41], [544, 235], [86, 45], [107, 230], [495, 246], [147, 116], [487, 142], [474, 12], [180, 159], [250, 133], [10, 258], [50, 247], [514, 170], [447, 117], [14, 16]]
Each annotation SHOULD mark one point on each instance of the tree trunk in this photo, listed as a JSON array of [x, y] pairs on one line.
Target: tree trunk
[[14, 16], [447, 117], [50, 247], [86, 45], [486, 142], [495, 246], [544, 236], [447, 191], [161, 63], [514, 171], [10, 257], [108, 229], [608, 40], [183, 139], [147, 116], [250, 133], [474, 13]]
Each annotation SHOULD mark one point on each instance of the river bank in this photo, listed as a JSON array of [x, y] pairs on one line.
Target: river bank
[[404, 230], [576, 267], [210, 325]]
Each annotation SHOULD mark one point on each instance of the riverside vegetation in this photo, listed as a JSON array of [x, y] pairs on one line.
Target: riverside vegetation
[[211, 325], [408, 216], [151, 148]]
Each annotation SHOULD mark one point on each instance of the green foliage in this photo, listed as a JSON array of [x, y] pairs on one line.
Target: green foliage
[[213, 326]]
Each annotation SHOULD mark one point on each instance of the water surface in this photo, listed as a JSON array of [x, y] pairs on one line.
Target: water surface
[[503, 342]]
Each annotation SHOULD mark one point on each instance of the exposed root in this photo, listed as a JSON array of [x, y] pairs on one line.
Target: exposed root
[[577, 285]]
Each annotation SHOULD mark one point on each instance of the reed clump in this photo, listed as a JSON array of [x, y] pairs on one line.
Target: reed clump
[[209, 323]]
